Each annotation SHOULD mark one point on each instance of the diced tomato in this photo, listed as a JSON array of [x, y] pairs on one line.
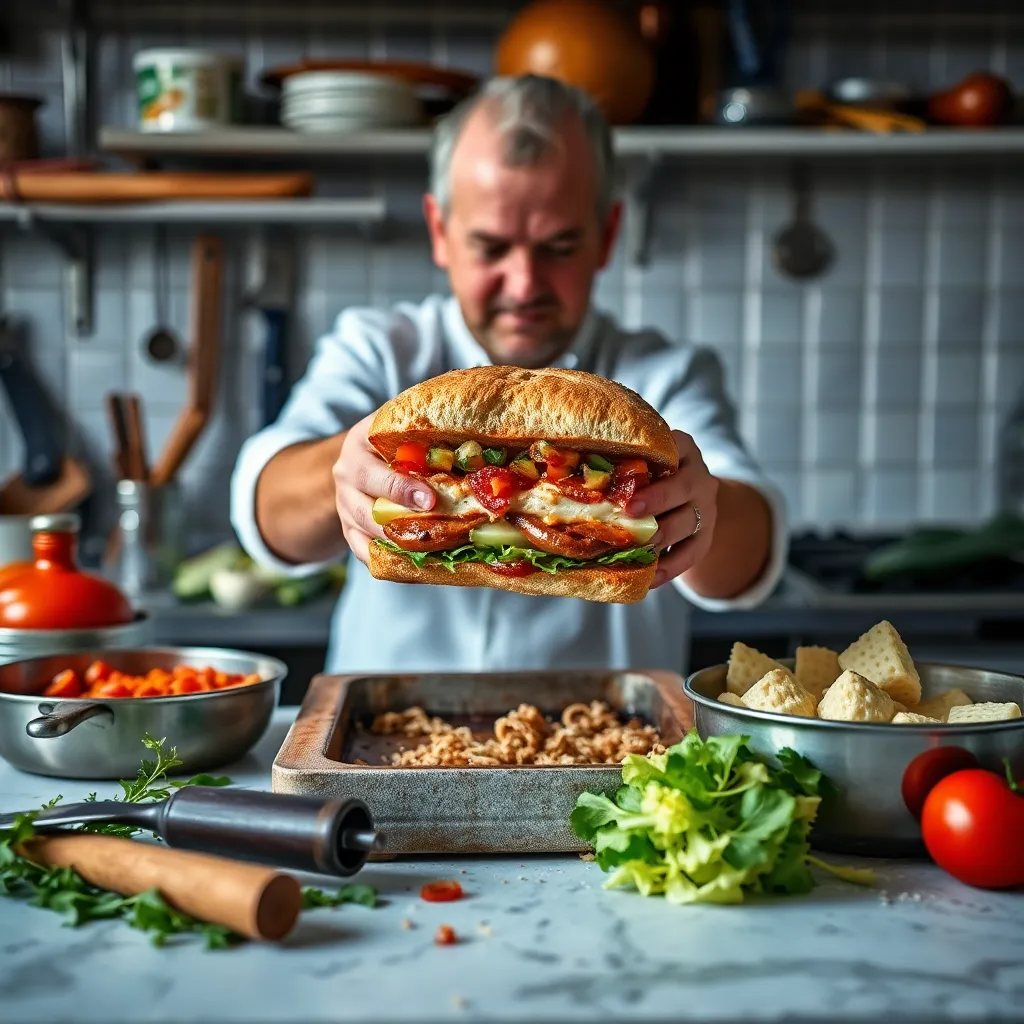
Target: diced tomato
[[97, 672], [112, 688], [64, 684], [441, 892], [414, 453], [572, 487], [632, 467], [407, 468], [494, 487], [517, 568], [558, 472], [445, 935], [186, 684]]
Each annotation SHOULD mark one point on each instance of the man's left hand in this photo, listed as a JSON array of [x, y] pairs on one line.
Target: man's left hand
[[685, 504]]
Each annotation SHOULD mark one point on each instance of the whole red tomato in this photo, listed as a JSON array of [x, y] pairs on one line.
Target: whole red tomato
[[973, 826], [927, 769]]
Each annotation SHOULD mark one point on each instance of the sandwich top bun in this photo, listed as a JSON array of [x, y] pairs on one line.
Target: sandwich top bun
[[512, 406]]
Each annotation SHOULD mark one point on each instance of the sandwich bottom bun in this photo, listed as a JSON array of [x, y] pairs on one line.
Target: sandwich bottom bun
[[602, 583]]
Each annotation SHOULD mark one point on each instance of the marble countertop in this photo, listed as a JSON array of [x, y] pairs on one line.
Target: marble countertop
[[540, 941]]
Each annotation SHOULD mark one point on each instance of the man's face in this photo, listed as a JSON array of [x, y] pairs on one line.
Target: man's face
[[521, 244]]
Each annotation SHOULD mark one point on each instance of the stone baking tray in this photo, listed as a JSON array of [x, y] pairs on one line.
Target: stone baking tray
[[479, 809]]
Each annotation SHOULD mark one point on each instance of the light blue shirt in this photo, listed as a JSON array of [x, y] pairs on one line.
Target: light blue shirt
[[371, 356]]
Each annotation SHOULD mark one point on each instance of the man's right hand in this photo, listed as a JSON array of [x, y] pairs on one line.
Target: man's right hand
[[360, 477]]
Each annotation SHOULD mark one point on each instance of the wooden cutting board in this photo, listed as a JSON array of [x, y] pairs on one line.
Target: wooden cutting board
[[132, 186]]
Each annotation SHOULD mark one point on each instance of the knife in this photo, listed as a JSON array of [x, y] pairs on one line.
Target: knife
[[43, 455]]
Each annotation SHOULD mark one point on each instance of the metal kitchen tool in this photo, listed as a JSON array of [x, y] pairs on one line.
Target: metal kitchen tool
[[304, 833], [101, 739], [50, 480], [802, 250], [480, 809], [42, 450], [148, 541], [271, 293], [161, 343], [866, 761]]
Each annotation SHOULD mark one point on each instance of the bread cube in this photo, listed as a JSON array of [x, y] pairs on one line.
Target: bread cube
[[909, 718], [778, 691], [725, 697], [882, 657], [817, 668], [852, 698], [746, 667], [971, 714], [939, 706]]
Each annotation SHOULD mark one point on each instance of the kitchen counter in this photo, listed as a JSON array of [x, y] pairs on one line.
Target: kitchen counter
[[541, 941], [798, 607]]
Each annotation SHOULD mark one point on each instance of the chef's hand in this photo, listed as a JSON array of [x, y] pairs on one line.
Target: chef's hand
[[685, 504], [360, 477]]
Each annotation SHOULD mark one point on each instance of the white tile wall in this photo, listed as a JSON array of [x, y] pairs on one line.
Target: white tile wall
[[873, 395]]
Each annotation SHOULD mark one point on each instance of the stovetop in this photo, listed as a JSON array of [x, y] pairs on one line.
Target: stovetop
[[834, 562]]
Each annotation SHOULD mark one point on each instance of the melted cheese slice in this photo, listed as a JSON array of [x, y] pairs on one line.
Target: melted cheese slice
[[544, 500]]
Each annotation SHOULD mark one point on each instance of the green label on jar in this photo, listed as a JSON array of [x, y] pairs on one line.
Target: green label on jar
[[149, 88]]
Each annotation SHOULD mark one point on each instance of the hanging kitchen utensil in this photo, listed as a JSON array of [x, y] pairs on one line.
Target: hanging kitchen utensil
[[161, 343], [50, 480], [272, 296], [304, 833], [207, 274], [31, 410], [802, 250]]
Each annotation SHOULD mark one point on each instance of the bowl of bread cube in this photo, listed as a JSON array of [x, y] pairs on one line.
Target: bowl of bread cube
[[870, 718]]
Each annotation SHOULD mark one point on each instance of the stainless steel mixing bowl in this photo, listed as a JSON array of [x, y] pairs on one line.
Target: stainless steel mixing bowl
[[867, 761], [102, 739]]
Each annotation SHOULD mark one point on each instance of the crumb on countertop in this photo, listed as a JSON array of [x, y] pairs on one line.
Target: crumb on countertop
[[407, 924]]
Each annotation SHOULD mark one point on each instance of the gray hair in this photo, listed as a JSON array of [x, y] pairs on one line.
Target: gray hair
[[528, 110]]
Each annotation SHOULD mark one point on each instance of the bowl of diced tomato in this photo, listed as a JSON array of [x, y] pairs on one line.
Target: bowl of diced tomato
[[85, 714]]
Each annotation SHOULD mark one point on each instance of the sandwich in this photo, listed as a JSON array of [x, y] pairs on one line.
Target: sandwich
[[532, 470]]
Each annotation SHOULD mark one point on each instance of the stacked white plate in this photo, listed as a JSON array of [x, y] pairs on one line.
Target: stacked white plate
[[346, 101]]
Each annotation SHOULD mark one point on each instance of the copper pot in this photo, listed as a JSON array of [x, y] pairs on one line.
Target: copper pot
[[19, 139]]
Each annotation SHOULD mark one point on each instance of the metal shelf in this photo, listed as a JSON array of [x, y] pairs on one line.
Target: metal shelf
[[707, 142], [362, 212]]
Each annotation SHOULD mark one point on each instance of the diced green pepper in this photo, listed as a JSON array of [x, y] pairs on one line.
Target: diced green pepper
[[595, 461], [494, 456]]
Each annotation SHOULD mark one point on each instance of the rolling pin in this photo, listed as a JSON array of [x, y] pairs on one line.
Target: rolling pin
[[257, 902]]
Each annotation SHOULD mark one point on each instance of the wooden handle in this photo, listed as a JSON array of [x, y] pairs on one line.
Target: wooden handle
[[186, 431], [207, 276], [254, 901], [135, 437], [119, 430]]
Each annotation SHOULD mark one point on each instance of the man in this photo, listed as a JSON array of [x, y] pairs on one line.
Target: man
[[521, 215]]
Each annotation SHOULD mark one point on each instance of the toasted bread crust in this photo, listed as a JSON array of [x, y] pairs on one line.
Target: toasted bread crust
[[511, 406], [602, 583]]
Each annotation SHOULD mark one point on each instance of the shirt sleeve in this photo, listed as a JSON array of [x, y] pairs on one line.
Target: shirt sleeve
[[345, 381], [696, 401]]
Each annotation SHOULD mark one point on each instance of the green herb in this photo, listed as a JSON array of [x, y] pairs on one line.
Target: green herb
[[542, 560], [709, 822], [494, 456], [65, 891], [364, 895], [151, 784]]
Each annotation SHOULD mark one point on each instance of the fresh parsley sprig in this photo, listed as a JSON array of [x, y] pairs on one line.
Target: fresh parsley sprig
[[66, 892]]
